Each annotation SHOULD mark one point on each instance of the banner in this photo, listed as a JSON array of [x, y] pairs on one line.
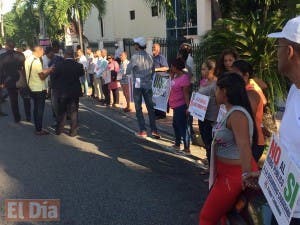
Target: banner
[[198, 105], [279, 181], [161, 87]]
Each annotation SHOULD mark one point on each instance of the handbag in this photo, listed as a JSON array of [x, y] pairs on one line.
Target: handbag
[[24, 88]]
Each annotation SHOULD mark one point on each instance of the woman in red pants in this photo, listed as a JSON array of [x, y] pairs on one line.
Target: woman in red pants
[[231, 149]]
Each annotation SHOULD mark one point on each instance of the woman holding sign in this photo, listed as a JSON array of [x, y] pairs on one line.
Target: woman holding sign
[[209, 89], [179, 101], [231, 147]]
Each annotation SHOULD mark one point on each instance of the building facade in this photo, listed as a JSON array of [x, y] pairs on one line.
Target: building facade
[[131, 18]]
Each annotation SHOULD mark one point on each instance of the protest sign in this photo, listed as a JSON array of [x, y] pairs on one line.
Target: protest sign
[[279, 181], [198, 105], [161, 87]]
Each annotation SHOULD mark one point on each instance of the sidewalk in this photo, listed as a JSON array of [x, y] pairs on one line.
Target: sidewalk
[[164, 126]]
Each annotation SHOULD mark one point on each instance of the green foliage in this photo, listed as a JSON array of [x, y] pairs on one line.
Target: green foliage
[[244, 26], [164, 7]]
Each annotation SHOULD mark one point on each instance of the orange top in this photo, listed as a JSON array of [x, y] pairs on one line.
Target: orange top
[[252, 86]]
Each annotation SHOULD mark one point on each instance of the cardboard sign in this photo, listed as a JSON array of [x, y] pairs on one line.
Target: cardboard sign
[[198, 105], [161, 87], [279, 181]]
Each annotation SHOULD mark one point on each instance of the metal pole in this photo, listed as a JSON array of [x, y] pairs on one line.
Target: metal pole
[[2, 18], [187, 17], [176, 31]]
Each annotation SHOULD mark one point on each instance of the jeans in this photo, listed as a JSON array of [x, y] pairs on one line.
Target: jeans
[[13, 94], [106, 93], [138, 95], [54, 101], [115, 93], [180, 126], [39, 98], [67, 105], [91, 83], [84, 82], [205, 128]]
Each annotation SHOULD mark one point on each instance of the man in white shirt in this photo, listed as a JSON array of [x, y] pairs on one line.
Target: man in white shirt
[[91, 68], [100, 68], [288, 53], [82, 60]]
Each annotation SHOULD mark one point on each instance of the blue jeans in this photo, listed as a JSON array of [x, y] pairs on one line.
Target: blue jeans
[[138, 95], [39, 98], [84, 82], [180, 126]]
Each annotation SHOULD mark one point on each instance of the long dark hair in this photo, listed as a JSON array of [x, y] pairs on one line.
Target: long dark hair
[[244, 67], [220, 66], [237, 95]]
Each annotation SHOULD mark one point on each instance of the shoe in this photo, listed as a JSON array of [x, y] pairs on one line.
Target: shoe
[[155, 135], [73, 133], [127, 110], [159, 117], [116, 106], [42, 132], [141, 134]]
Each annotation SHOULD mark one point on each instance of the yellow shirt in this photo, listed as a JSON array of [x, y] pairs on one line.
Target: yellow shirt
[[35, 83]]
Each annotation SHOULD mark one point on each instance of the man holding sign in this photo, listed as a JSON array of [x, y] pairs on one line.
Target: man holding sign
[[280, 176], [288, 53]]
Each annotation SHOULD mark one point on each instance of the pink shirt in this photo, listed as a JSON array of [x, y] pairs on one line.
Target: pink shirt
[[177, 96], [114, 66]]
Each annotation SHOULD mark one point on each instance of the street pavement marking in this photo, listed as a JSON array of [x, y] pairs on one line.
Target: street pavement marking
[[196, 162]]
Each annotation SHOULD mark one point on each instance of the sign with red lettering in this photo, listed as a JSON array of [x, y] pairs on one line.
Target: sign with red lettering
[[198, 105], [279, 181], [32, 210]]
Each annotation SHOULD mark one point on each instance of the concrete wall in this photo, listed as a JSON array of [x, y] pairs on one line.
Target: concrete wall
[[117, 23], [203, 16]]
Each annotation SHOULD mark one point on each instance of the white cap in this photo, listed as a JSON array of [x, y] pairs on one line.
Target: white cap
[[140, 40], [291, 31]]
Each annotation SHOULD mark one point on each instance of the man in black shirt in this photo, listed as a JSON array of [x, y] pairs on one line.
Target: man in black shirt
[[11, 67], [65, 80]]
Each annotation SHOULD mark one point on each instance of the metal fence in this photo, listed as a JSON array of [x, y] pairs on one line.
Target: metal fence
[[128, 47]]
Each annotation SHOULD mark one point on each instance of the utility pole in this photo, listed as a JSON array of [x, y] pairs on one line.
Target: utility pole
[[2, 18]]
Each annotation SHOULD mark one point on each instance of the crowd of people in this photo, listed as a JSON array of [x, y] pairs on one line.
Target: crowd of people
[[233, 143]]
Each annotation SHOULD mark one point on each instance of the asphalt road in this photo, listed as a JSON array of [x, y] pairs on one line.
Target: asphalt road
[[104, 176]]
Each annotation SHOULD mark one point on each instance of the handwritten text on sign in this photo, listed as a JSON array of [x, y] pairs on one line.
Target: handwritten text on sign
[[198, 105], [280, 181]]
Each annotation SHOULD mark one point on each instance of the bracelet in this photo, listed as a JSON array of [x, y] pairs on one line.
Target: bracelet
[[245, 174]]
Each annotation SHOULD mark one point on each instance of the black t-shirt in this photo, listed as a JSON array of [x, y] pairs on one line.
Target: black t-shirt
[[11, 62]]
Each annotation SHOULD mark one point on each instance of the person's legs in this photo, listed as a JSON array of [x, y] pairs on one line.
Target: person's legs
[[39, 106], [101, 83], [91, 84], [147, 94], [114, 94], [125, 88], [61, 114], [205, 128], [27, 108], [223, 195], [14, 104], [182, 125], [295, 221], [176, 118], [137, 96], [106, 94], [72, 107]]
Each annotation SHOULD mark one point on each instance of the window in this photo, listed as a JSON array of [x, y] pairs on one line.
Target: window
[[154, 11], [132, 15]]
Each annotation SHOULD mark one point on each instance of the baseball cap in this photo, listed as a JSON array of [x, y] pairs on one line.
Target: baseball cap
[[141, 41], [291, 31]]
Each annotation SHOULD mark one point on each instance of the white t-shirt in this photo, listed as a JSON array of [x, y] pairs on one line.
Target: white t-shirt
[[289, 132]]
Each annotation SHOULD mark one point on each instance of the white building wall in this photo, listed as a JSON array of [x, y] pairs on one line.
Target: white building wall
[[117, 23], [204, 21]]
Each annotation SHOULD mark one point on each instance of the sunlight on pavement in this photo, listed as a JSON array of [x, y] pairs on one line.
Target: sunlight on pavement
[[133, 165]]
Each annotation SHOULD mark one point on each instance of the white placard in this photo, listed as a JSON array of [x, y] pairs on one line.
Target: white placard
[[198, 105], [279, 181], [106, 76], [161, 87]]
